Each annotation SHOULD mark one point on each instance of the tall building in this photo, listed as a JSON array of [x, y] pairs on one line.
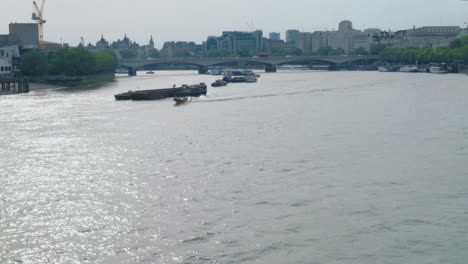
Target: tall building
[[275, 36], [312, 42], [27, 34], [237, 41], [367, 38], [343, 38], [291, 35]]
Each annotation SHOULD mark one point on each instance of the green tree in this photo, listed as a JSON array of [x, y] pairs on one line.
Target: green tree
[[360, 51], [244, 53], [72, 61], [283, 51], [464, 41], [106, 61], [377, 49], [220, 54], [33, 63], [457, 43]]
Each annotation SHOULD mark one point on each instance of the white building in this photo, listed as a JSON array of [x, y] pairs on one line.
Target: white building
[[427, 37], [8, 55], [343, 38]]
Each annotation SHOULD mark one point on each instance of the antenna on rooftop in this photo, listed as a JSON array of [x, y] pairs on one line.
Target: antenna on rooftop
[[250, 25]]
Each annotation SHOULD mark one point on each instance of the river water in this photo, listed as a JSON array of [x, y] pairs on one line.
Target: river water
[[302, 167]]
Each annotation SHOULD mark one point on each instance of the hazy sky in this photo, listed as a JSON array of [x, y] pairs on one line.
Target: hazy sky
[[196, 20]]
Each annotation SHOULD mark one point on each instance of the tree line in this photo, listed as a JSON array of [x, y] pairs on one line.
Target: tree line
[[456, 52], [68, 61]]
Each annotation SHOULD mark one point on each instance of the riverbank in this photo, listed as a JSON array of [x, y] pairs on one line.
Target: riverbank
[[75, 81]]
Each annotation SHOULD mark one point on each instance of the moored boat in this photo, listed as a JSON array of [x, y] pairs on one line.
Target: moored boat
[[388, 69], [438, 69], [409, 68]]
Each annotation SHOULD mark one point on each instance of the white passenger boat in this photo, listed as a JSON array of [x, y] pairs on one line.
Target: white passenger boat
[[409, 68], [438, 69]]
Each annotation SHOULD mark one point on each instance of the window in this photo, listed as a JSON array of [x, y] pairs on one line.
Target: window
[[2, 52], [1, 68]]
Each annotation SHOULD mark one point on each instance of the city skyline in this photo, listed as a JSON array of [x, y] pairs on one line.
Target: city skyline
[[68, 21]]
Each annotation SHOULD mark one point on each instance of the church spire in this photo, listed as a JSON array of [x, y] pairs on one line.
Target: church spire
[[151, 42]]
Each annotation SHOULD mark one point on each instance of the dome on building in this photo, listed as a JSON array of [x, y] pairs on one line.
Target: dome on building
[[345, 26]]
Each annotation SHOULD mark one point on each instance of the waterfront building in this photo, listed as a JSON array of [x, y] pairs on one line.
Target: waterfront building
[[237, 41], [124, 48], [9, 58], [366, 39], [275, 36], [343, 38], [5, 66], [311, 42], [102, 44], [26, 34], [8, 40], [426, 37], [291, 35]]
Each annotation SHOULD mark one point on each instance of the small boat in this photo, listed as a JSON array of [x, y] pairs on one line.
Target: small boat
[[180, 100], [438, 69], [219, 83], [250, 78], [388, 69], [409, 68]]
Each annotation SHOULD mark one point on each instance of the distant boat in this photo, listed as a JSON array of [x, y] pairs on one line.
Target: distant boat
[[409, 68], [250, 78], [216, 71], [388, 69], [219, 83], [121, 71], [240, 76], [293, 67], [438, 69]]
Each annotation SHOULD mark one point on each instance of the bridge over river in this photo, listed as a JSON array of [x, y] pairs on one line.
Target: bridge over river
[[269, 62]]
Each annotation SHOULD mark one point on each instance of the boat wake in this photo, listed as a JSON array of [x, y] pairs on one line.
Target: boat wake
[[208, 100]]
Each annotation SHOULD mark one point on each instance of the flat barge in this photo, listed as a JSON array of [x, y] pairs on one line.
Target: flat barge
[[158, 94]]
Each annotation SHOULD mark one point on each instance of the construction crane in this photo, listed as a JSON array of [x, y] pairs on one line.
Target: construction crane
[[38, 16]]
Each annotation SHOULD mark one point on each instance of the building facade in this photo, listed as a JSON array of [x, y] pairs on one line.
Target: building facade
[[426, 37], [275, 36], [26, 34], [343, 38], [9, 58], [291, 35], [237, 41], [125, 48]]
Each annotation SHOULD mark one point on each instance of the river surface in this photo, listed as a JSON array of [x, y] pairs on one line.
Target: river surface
[[302, 167]]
